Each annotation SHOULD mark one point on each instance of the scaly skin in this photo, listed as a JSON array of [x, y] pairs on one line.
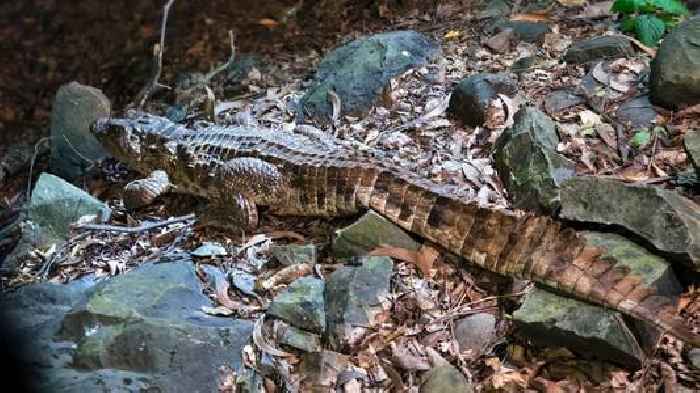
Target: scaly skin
[[300, 175]]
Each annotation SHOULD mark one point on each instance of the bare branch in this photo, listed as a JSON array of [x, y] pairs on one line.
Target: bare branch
[[138, 229], [158, 49], [230, 61]]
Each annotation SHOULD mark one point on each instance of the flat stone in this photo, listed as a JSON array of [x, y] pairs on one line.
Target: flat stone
[[354, 298], [368, 233], [302, 305], [599, 48], [209, 249], [56, 204], [475, 332], [559, 100], [550, 320], [532, 32], [75, 108], [668, 221], [300, 339], [691, 142], [637, 113], [675, 71], [293, 254], [445, 378], [472, 96], [528, 164], [358, 71]]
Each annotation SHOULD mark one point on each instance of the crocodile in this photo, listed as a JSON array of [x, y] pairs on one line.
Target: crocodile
[[241, 169]]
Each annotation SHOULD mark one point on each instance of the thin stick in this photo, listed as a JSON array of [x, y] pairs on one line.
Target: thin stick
[[138, 229], [158, 49], [31, 164], [230, 61]]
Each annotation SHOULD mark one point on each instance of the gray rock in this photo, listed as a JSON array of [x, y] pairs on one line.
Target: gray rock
[[445, 378], [668, 221], [528, 164], [532, 32], [550, 320], [637, 113], [559, 100], [475, 332], [56, 204], [292, 254], [321, 370], [368, 233], [36, 313], [495, 9], [302, 305], [150, 320], [75, 108], [598, 48], [358, 71], [471, 98], [209, 249], [675, 72], [691, 142], [300, 339], [694, 357], [354, 298], [113, 381]]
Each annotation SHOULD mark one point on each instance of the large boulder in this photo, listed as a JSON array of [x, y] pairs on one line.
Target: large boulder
[[150, 321], [75, 108], [358, 71], [472, 97], [528, 164], [665, 219], [675, 72], [550, 320], [605, 47]]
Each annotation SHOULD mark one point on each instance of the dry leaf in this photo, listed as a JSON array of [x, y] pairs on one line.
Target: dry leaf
[[287, 275], [268, 22], [542, 16], [399, 253], [425, 260]]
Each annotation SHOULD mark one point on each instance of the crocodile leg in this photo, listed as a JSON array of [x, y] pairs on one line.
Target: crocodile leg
[[234, 211]]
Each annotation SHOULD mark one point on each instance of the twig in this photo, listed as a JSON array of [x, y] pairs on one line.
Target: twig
[[32, 162], [158, 49], [225, 65], [138, 229]]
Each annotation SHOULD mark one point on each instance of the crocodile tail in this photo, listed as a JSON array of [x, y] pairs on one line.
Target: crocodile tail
[[514, 243], [582, 265]]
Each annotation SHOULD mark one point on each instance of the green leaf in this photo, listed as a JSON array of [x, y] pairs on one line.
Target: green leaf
[[649, 29], [627, 24], [673, 7], [640, 139], [626, 6], [669, 20]]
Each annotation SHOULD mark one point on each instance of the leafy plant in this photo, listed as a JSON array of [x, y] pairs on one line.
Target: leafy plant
[[649, 20]]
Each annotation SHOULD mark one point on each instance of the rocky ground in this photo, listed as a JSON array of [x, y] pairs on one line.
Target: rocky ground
[[544, 108]]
